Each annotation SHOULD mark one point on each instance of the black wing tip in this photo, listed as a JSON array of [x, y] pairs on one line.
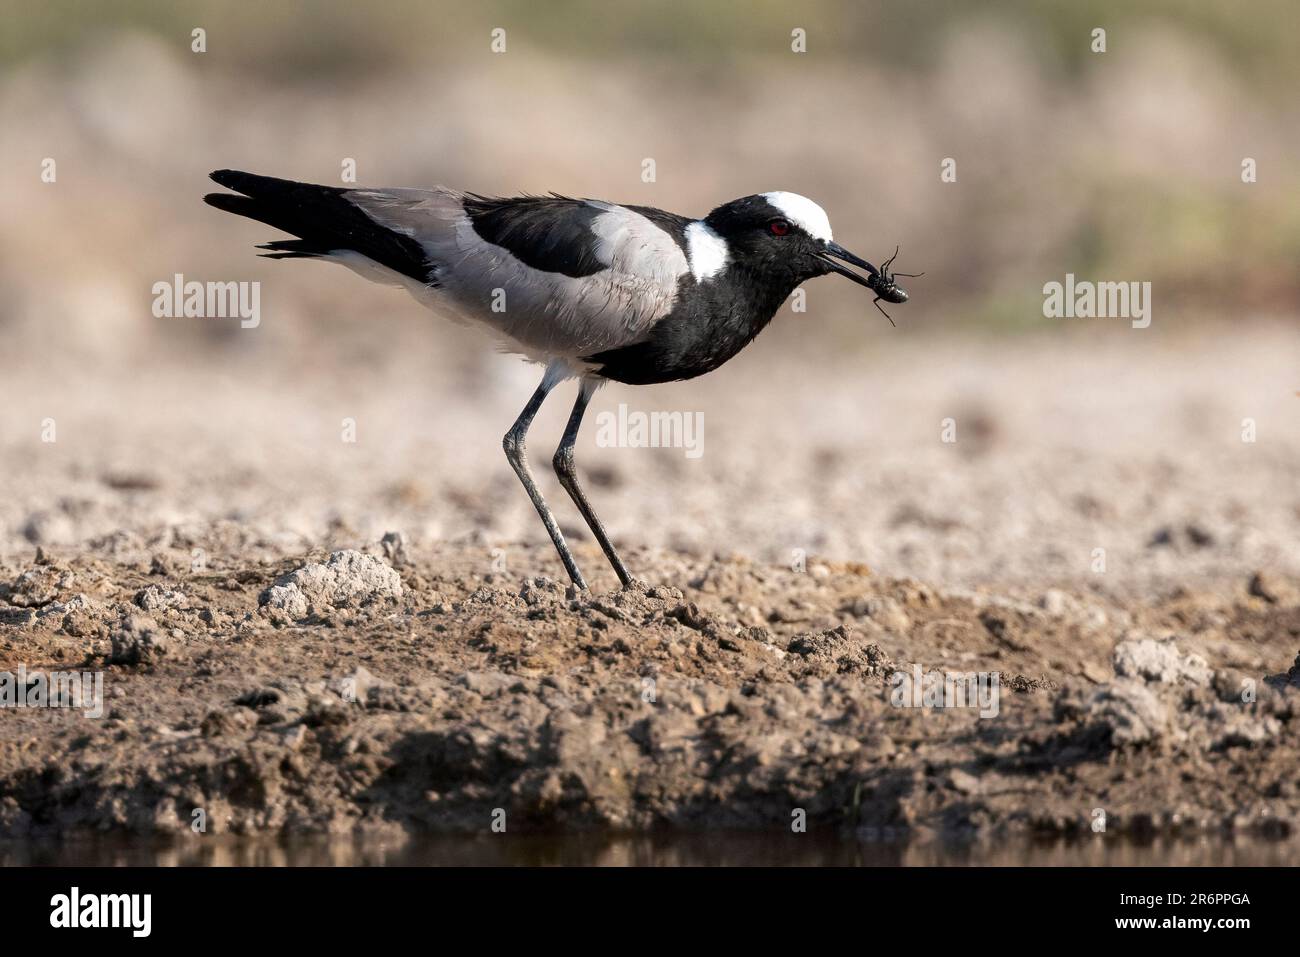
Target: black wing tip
[[228, 202], [292, 249], [256, 185], [228, 178], [321, 216]]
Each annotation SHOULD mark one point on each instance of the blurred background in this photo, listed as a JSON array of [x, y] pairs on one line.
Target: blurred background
[[1175, 448]]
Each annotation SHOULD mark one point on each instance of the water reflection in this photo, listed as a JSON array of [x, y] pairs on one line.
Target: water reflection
[[676, 849]]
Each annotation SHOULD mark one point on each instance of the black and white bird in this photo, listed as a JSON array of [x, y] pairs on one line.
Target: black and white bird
[[592, 290]]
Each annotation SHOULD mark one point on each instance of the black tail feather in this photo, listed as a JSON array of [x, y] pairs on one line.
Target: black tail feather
[[291, 249], [322, 217]]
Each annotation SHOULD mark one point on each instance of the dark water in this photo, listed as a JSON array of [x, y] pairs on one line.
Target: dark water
[[714, 848]]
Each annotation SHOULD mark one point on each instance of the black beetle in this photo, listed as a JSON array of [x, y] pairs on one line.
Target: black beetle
[[882, 283]]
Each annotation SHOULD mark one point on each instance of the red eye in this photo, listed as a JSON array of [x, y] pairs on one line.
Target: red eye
[[778, 227]]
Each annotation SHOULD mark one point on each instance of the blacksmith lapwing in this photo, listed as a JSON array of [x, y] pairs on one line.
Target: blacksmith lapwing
[[589, 289]]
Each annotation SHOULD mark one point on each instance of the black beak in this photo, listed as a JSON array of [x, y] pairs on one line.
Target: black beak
[[839, 252]]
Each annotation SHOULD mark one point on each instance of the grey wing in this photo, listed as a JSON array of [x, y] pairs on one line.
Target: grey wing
[[554, 276]]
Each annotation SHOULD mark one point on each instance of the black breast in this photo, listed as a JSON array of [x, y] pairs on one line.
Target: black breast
[[708, 324]]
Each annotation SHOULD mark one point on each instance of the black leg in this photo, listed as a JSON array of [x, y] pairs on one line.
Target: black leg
[[568, 474], [517, 453]]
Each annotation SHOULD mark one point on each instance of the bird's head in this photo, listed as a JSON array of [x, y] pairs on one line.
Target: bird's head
[[786, 238]]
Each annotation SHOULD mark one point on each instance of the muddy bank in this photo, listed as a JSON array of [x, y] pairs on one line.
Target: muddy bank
[[399, 689]]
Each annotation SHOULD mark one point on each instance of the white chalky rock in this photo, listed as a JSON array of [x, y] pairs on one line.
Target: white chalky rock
[[1159, 661], [350, 579]]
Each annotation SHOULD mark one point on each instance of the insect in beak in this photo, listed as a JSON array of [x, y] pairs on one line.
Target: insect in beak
[[881, 281]]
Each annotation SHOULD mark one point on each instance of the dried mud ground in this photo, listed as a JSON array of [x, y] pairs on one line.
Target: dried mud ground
[[404, 689], [281, 666]]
